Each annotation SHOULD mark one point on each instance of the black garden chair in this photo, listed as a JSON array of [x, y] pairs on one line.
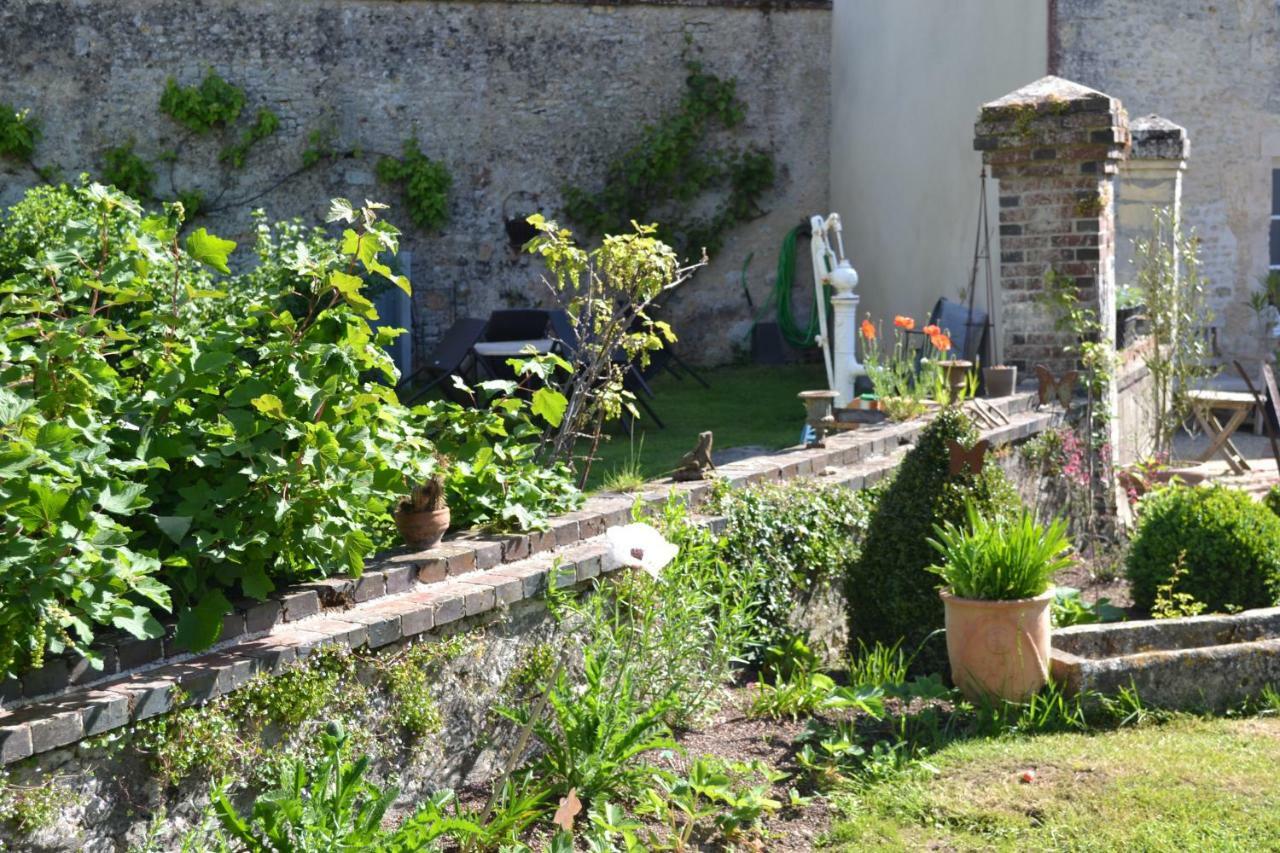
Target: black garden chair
[[452, 356]]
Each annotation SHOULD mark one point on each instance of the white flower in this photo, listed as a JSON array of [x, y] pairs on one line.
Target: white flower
[[640, 546]]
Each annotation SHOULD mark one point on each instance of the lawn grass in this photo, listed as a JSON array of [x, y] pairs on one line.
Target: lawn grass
[[1188, 784], [752, 405]]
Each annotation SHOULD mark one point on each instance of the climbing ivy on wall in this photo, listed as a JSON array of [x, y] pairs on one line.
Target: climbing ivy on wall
[[424, 182], [214, 107], [672, 165]]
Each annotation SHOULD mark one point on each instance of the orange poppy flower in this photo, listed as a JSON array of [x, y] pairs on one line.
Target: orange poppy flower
[[932, 330], [940, 342], [904, 322], [868, 330]]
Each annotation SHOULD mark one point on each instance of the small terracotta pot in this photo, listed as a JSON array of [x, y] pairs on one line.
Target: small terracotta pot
[[998, 649], [999, 381], [957, 370], [422, 528]]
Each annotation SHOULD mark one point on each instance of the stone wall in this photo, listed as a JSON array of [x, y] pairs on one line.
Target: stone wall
[[1211, 68], [518, 99]]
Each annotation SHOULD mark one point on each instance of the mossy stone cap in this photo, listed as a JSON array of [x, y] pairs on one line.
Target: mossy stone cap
[[1052, 121]]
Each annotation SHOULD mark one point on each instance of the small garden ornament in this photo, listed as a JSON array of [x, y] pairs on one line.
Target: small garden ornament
[[695, 464]]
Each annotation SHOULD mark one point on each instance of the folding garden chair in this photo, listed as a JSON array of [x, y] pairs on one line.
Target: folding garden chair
[[1266, 401], [451, 357]]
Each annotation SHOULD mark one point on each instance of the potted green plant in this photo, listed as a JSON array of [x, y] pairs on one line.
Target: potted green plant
[[423, 517], [997, 576]]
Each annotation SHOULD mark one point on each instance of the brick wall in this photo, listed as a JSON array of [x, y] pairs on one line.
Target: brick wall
[[1055, 147]]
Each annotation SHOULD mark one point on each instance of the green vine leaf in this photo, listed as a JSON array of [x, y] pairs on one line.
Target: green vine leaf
[[549, 404], [211, 250], [200, 626]]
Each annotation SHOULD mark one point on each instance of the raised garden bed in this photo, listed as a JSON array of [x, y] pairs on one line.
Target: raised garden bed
[[1197, 663]]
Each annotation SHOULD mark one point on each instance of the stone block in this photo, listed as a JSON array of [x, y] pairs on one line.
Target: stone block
[[299, 605], [15, 741], [370, 585], [101, 711], [232, 625], [260, 616], [273, 653], [340, 630], [50, 678], [459, 559], [382, 622], [80, 671], [148, 696], [507, 590], [399, 579], [514, 547], [132, 652]]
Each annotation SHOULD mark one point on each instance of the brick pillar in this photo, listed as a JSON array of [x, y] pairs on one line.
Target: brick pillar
[[1151, 178], [1055, 147]]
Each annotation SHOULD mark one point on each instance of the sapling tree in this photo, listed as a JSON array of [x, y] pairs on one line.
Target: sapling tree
[[1174, 292], [608, 293]]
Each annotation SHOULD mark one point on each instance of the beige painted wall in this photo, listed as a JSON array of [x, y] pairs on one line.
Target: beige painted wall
[[907, 78]]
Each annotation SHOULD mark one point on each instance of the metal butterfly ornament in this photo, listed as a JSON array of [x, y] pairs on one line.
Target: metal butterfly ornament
[[1061, 388]]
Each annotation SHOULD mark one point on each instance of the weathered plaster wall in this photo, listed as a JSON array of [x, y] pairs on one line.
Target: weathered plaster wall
[[907, 79], [1211, 68], [517, 98]]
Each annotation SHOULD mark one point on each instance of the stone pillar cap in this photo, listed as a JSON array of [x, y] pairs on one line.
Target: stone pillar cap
[[1156, 138], [1053, 91]]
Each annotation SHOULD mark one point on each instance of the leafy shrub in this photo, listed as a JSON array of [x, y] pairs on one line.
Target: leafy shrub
[[594, 736], [126, 171], [1000, 559], [175, 435], [670, 162], [496, 478], [215, 103], [1272, 499], [680, 636], [890, 593], [794, 540], [727, 797], [1228, 545], [330, 806], [19, 133], [1069, 608]]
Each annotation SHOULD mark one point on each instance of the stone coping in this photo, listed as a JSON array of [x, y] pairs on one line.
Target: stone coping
[[404, 595]]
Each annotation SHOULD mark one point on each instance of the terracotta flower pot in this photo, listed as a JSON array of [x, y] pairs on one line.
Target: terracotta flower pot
[[422, 528], [998, 649]]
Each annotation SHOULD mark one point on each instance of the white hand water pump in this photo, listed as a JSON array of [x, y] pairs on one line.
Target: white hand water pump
[[832, 268]]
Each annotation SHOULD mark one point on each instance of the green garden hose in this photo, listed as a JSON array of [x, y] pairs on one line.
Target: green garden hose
[[791, 330]]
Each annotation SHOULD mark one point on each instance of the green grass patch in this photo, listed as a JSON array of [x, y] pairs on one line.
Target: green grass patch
[[1189, 784], [752, 405]]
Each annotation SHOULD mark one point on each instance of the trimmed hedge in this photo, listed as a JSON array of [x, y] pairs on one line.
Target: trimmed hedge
[[1229, 544], [891, 596]]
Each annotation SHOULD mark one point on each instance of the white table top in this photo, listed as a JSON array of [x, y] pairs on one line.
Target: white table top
[[513, 348]]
